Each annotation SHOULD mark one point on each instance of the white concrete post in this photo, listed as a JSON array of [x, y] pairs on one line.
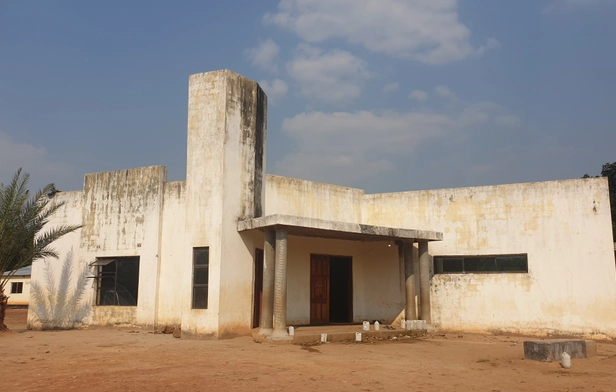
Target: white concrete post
[[280, 288], [410, 310], [424, 287], [267, 306]]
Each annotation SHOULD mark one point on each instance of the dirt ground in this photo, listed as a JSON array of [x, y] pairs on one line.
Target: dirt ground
[[113, 359]]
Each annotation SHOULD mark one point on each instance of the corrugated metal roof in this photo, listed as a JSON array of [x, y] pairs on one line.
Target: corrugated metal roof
[[25, 271]]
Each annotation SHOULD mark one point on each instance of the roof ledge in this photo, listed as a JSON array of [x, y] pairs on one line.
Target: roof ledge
[[312, 227]]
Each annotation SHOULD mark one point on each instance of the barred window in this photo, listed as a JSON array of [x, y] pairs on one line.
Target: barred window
[[481, 264], [201, 264], [117, 281]]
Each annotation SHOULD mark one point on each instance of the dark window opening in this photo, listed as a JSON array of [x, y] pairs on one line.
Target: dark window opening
[[201, 265], [17, 287], [480, 264], [117, 281]]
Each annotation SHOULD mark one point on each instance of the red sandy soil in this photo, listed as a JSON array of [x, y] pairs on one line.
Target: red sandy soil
[[111, 359]]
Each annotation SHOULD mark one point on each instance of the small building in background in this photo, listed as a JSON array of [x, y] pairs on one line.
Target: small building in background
[[18, 287]]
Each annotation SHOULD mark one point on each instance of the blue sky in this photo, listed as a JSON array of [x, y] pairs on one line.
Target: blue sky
[[384, 95]]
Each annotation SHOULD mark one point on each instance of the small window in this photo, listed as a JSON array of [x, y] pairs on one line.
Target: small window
[[17, 287], [201, 266], [480, 264], [117, 281]]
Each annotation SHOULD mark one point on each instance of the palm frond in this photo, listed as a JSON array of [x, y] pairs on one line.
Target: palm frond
[[23, 218]]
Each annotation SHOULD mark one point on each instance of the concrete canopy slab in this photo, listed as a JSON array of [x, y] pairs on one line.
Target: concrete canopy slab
[[310, 227]]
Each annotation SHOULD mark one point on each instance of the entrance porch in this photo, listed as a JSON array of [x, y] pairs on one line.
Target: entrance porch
[[414, 271]]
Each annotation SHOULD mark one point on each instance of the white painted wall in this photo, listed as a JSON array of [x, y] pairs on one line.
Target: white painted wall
[[175, 282], [69, 214]]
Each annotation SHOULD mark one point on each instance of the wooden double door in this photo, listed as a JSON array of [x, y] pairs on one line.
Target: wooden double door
[[331, 289]]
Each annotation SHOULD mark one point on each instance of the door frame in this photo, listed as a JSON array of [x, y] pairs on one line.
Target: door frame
[[313, 256]]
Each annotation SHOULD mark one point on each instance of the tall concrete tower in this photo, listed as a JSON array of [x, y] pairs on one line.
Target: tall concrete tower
[[225, 182]]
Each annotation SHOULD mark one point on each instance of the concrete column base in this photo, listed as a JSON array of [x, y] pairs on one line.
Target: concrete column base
[[265, 331]]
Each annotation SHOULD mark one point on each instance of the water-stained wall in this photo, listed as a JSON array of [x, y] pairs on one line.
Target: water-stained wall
[[292, 196], [122, 217], [563, 226], [224, 183]]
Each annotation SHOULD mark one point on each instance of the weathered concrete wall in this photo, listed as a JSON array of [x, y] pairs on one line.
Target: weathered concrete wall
[[291, 196], [22, 298], [563, 226], [224, 183], [377, 290], [122, 213]]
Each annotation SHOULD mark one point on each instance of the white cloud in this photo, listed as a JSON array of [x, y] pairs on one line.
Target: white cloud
[[424, 30], [508, 120], [418, 95], [347, 147], [264, 54], [274, 90], [444, 91], [474, 114], [388, 88], [492, 43], [336, 75], [33, 160]]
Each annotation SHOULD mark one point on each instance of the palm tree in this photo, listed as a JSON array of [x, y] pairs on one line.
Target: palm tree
[[22, 220]]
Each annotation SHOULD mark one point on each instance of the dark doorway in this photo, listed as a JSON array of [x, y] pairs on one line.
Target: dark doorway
[[331, 289], [258, 289], [340, 289]]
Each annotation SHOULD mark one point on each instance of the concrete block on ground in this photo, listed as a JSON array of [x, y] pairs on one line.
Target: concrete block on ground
[[550, 350]]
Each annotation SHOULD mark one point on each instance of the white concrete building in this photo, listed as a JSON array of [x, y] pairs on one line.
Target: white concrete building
[[231, 248], [17, 287]]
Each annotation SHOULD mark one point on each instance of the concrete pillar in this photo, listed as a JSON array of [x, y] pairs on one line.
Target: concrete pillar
[[424, 287], [410, 310], [280, 288], [267, 306]]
